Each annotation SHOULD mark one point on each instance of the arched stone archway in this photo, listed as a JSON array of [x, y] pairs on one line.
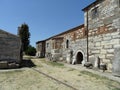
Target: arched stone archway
[[79, 58]]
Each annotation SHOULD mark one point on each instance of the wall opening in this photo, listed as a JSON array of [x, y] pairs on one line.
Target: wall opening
[[67, 44], [79, 58]]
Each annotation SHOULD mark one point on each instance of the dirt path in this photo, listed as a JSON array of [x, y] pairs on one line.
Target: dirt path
[[29, 79]]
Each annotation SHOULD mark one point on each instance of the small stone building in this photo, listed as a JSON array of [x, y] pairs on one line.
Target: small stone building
[[40, 48], [10, 50], [100, 32]]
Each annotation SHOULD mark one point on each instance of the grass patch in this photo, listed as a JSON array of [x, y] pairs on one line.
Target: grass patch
[[116, 89], [72, 69], [56, 64], [93, 75], [113, 85], [79, 75], [52, 63]]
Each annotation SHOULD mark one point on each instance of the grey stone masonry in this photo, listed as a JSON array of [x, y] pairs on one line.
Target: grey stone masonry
[[116, 62], [102, 20], [10, 47], [104, 30]]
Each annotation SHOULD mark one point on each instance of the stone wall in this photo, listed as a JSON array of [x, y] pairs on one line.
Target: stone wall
[[40, 49], [77, 43], [103, 35], [104, 30], [10, 47]]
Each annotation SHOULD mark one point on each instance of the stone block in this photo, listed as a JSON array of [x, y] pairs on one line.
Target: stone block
[[107, 38], [102, 55], [3, 64], [108, 46], [105, 42], [103, 51], [95, 51], [110, 51], [116, 62], [115, 41], [92, 59], [116, 36], [110, 56], [116, 46], [98, 44]]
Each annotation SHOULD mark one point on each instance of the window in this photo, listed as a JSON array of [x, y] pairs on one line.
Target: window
[[95, 13], [67, 44], [47, 45]]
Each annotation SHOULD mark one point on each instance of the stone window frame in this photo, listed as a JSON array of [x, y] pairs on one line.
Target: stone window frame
[[95, 13]]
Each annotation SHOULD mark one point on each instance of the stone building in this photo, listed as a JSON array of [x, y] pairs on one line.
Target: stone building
[[103, 20], [40, 48], [10, 50], [100, 32]]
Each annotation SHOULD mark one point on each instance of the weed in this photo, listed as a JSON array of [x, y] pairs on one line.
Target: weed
[[72, 69], [52, 63], [56, 64], [93, 75], [79, 74], [110, 83]]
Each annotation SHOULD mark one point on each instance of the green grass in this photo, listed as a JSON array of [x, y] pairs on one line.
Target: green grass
[[72, 69], [113, 85], [116, 89], [93, 75], [52, 63], [56, 64]]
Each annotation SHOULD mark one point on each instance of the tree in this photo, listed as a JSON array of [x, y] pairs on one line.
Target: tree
[[24, 34], [31, 51]]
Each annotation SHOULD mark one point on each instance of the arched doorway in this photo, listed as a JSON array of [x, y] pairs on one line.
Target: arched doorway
[[79, 58]]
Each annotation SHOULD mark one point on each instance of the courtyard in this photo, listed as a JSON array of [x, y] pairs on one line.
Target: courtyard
[[40, 74]]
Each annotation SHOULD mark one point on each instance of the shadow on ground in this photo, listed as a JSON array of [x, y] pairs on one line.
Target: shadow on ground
[[27, 63]]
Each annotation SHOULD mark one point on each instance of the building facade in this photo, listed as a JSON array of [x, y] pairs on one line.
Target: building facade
[[40, 48], [103, 20], [10, 50], [96, 39]]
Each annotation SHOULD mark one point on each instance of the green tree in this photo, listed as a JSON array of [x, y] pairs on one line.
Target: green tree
[[24, 34], [31, 51]]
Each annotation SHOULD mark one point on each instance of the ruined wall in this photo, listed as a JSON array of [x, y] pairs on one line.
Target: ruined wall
[[10, 47], [104, 30]]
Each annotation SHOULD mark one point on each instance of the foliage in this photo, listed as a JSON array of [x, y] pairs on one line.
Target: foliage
[[24, 34], [30, 51]]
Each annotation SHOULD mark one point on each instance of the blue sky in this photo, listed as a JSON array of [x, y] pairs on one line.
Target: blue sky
[[45, 18]]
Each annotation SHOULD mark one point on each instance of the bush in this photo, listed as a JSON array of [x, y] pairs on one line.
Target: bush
[[30, 51]]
